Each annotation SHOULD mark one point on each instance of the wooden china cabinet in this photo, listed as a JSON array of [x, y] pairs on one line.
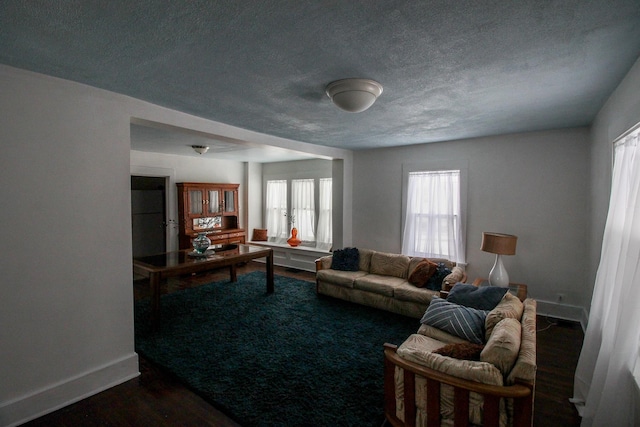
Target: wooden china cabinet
[[208, 208]]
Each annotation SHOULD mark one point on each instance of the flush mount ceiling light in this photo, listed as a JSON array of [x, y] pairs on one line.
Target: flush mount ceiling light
[[200, 149], [354, 95]]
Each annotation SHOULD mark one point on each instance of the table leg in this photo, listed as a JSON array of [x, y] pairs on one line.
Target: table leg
[[154, 280], [270, 285], [233, 273]]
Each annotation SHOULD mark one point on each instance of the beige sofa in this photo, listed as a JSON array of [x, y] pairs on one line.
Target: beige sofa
[[423, 388], [381, 282]]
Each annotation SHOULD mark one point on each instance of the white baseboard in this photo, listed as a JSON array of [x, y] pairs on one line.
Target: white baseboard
[[71, 390], [562, 311]]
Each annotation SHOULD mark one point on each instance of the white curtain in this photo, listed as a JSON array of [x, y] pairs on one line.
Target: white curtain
[[433, 218], [303, 208], [324, 236], [605, 391], [276, 208]]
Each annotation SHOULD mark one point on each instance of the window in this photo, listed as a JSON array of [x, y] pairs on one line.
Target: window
[[303, 208], [309, 201], [276, 207], [324, 236], [433, 220]]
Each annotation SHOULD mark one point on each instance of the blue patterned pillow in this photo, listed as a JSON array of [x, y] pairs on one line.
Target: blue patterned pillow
[[347, 259], [480, 298], [458, 320]]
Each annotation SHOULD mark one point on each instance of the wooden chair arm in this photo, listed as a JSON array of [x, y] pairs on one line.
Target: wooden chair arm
[[521, 393], [517, 390]]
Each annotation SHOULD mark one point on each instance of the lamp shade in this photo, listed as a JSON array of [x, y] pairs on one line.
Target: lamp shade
[[498, 243], [354, 95]]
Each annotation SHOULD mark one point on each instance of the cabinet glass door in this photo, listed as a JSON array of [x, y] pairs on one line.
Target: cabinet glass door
[[195, 202], [229, 201], [214, 202]]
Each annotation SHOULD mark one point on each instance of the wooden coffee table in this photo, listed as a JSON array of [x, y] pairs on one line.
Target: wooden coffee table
[[178, 263]]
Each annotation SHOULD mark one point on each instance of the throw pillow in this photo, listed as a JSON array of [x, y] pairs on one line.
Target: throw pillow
[[347, 259], [464, 322], [259, 235], [504, 345], [422, 273], [463, 351], [435, 282], [481, 298], [509, 307]]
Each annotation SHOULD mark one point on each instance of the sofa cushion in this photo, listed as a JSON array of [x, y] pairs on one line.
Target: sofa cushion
[[347, 259], [463, 351], [502, 348], [365, 259], [419, 349], [383, 285], [439, 334], [525, 366], [407, 292], [386, 264], [508, 307], [422, 272], [339, 278], [465, 322], [480, 298]]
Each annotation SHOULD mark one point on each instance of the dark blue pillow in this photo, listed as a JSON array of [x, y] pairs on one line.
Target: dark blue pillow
[[347, 259], [435, 282], [480, 298]]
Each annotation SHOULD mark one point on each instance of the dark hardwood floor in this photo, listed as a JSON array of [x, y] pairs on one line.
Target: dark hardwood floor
[[157, 399]]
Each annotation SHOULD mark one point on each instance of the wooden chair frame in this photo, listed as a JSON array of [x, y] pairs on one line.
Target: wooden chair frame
[[522, 394]]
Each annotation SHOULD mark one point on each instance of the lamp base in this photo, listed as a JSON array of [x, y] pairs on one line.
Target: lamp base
[[498, 275]]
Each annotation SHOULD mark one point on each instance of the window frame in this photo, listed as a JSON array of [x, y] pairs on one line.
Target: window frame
[[289, 184], [433, 166]]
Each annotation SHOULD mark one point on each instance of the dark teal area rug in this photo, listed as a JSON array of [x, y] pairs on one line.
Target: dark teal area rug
[[291, 358]]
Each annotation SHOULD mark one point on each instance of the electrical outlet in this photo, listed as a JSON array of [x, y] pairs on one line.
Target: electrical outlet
[[560, 297]]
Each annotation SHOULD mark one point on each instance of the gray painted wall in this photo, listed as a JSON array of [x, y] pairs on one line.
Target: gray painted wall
[[531, 185]]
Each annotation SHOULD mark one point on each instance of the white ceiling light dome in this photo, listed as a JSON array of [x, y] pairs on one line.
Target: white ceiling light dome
[[354, 95], [200, 149]]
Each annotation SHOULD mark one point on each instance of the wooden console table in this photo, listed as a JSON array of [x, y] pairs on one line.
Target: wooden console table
[[171, 264]]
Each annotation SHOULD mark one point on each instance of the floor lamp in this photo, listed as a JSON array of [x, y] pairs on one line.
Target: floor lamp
[[499, 244]]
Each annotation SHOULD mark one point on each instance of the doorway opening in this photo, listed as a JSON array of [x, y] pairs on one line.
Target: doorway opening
[[148, 215]]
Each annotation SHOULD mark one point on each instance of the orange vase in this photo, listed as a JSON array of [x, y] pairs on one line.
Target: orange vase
[[293, 240]]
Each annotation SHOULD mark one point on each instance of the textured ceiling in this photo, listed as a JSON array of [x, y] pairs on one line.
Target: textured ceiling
[[450, 69]]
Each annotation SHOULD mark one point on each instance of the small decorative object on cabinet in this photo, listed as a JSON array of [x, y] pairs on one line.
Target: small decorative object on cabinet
[[211, 209]]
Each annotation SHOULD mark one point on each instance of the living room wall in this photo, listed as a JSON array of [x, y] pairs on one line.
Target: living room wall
[[533, 185], [66, 304]]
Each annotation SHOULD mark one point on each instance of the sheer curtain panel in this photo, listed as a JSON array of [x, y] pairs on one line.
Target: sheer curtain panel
[[605, 390], [276, 208], [324, 236], [303, 208], [433, 219]]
